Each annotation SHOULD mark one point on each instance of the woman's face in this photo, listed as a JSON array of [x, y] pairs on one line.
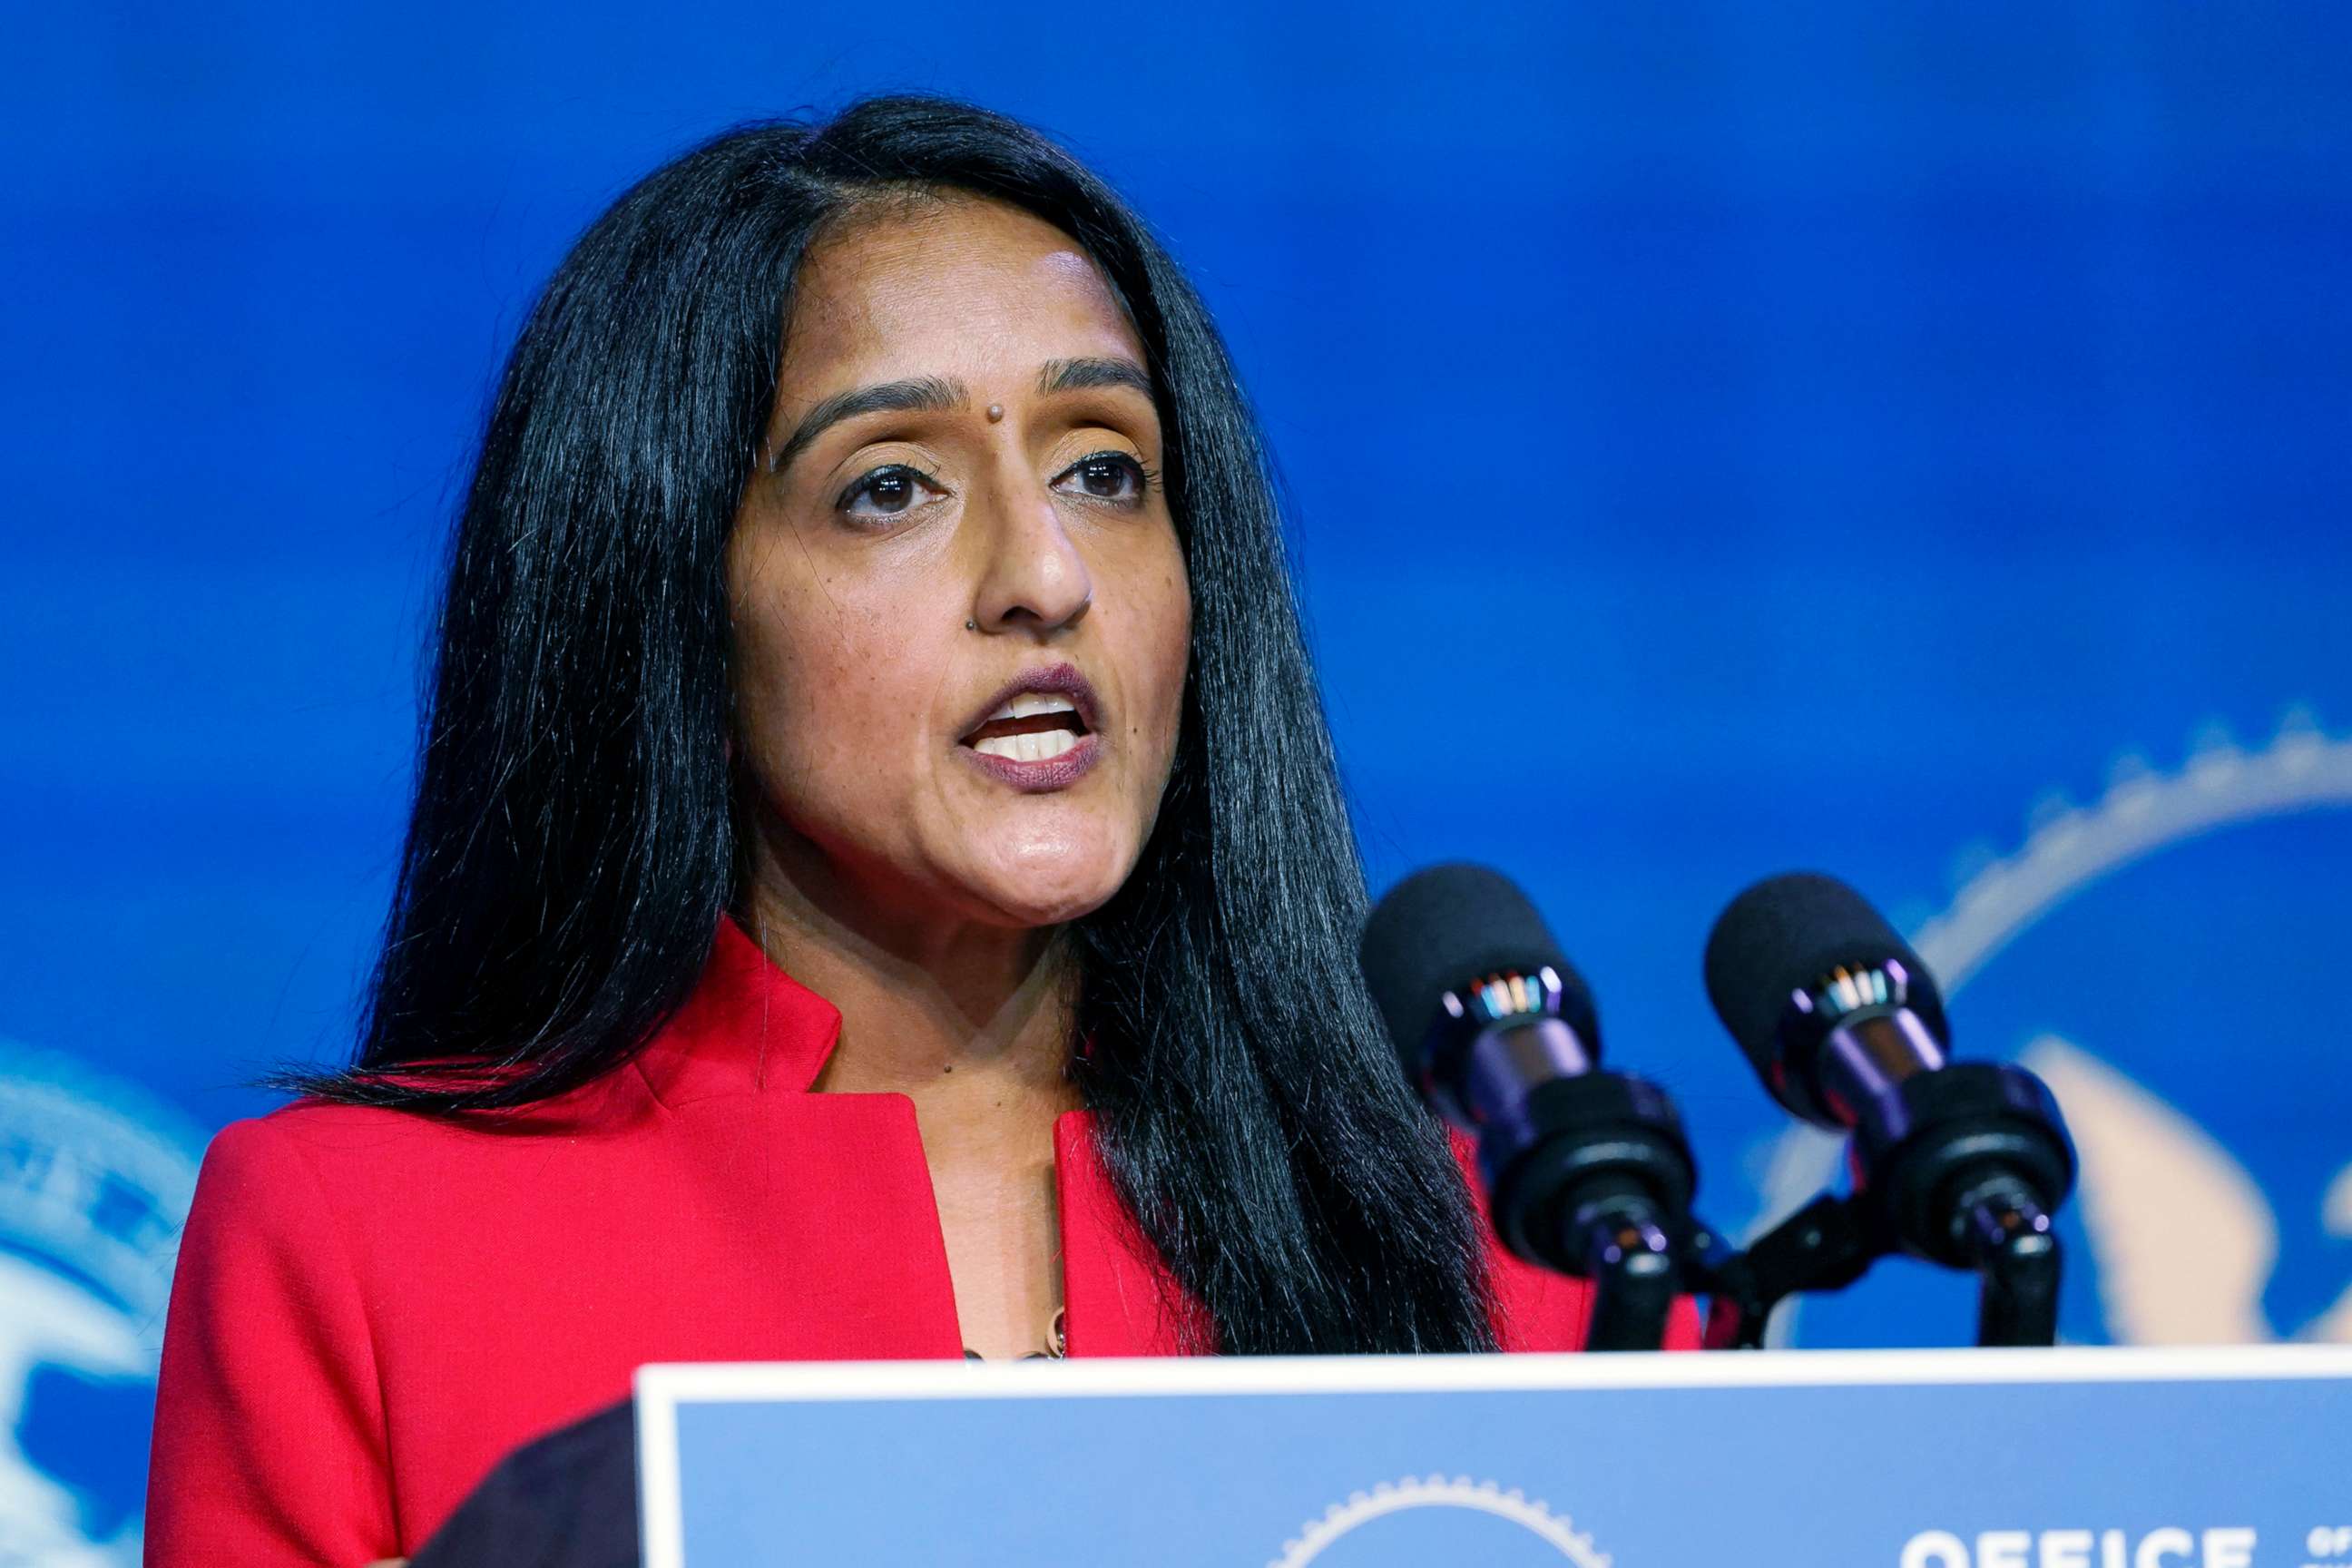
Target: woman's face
[[962, 615]]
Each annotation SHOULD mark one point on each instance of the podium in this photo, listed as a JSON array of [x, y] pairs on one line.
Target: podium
[[1974, 1459]]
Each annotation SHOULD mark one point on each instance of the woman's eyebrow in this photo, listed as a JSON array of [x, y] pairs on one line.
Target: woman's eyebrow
[[1077, 374], [917, 395], [938, 395]]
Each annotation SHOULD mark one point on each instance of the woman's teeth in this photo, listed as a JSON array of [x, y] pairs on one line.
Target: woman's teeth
[[1030, 727], [1043, 746], [1029, 704]]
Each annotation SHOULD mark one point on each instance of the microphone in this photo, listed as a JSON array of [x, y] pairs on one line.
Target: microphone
[[1959, 1162], [1587, 1171]]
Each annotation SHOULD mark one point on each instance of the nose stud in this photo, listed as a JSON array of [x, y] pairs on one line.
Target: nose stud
[[972, 626]]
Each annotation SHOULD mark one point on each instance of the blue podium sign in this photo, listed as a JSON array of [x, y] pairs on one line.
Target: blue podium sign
[[2064, 1458]]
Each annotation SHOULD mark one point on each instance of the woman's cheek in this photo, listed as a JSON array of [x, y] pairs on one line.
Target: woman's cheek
[[1176, 663]]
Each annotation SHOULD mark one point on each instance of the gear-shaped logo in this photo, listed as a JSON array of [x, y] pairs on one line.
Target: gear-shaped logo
[[2184, 1238], [1533, 1519]]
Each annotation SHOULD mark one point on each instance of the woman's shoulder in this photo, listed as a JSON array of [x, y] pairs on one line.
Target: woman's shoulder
[[347, 1153], [321, 1206], [264, 1155], [324, 1131], [293, 1167]]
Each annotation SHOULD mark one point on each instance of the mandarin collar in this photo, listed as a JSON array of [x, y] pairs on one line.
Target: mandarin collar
[[747, 1027]]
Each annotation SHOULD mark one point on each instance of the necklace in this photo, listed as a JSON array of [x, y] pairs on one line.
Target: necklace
[[1056, 1345]]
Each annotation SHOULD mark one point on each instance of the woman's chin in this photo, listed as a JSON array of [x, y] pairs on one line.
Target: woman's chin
[[1050, 884]]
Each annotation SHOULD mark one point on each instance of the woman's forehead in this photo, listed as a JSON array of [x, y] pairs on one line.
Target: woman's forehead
[[952, 285]]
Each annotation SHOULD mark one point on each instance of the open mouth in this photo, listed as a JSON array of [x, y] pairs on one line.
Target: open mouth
[[1030, 727], [1041, 731]]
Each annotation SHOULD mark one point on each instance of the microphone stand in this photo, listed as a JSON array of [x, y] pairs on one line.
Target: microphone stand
[[1698, 1261], [1833, 1241], [2019, 1258], [1825, 1246], [1589, 1176], [1633, 1264], [1958, 1162], [1619, 1229]]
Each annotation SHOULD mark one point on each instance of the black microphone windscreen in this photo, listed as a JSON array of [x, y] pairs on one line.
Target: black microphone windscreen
[[1786, 933], [1443, 928]]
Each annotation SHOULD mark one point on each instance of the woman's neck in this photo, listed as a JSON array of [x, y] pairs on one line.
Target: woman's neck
[[974, 1023], [923, 1002]]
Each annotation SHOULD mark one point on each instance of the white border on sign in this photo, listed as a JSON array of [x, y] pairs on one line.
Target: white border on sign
[[662, 1388]]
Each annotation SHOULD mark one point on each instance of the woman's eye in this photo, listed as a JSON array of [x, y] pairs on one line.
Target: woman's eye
[[1107, 476], [890, 491]]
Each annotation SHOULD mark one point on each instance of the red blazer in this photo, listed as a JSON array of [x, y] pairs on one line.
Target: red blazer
[[372, 1308]]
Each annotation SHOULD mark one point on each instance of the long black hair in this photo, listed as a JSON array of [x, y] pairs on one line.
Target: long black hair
[[571, 851]]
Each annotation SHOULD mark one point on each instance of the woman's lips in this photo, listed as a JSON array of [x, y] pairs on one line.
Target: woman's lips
[[1046, 773], [1037, 733]]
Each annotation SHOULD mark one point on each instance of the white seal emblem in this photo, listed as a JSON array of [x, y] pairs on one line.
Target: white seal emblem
[[95, 1179], [1534, 1520]]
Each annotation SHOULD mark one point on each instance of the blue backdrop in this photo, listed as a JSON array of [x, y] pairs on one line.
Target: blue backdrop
[[1721, 439]]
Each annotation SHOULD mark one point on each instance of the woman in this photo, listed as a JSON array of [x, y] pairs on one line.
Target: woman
[[878, 885]]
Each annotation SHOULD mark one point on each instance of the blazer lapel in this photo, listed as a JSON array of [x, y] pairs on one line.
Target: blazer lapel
[[1119, 1298]]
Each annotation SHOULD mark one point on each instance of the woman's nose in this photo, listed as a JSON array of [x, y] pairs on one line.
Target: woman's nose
[[1033, 576]]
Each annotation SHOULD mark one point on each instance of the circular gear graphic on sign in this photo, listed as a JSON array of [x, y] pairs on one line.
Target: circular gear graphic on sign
[[1533, 1519], [2069, 850]]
